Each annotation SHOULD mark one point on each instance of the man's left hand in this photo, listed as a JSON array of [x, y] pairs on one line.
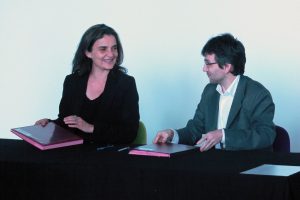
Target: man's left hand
[[210, 139]]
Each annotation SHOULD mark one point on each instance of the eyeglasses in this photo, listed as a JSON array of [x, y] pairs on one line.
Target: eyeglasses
[[208, 64]]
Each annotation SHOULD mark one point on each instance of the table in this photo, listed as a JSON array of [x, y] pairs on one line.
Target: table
[[82, 172]]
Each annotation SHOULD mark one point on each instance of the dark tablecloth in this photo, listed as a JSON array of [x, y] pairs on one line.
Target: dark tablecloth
[[81, 172]]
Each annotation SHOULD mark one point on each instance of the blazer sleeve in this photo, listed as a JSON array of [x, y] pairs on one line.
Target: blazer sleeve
[[195, 127], [65, 105]]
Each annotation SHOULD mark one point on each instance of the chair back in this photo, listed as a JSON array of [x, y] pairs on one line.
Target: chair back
[[282, 140], [141, 137]]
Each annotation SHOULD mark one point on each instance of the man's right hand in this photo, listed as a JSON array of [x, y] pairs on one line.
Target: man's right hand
[[163, 136]]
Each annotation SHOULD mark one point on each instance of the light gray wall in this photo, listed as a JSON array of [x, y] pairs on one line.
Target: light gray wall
[[162, 41]]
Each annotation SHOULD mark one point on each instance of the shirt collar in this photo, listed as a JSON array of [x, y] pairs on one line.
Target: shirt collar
[[231, 89]]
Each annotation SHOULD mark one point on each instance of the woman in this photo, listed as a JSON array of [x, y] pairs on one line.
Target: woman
[[99, 100]]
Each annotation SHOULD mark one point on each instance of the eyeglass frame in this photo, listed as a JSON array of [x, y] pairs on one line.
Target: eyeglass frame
[[208, 64]]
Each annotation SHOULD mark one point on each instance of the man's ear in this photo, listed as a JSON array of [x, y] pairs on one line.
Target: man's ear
[[228, 68]]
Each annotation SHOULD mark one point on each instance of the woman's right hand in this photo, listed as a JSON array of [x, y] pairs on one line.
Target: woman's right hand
[[42, 122]]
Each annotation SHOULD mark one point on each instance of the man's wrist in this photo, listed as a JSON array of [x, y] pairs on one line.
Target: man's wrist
[[171, 135]]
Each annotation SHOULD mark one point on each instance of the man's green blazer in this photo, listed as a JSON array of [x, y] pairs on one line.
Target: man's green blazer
[[250, 121]]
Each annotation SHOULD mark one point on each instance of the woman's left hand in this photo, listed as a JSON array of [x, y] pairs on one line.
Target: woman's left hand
[[75, 121]]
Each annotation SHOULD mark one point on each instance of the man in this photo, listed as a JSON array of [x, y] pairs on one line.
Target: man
[[235, 112]]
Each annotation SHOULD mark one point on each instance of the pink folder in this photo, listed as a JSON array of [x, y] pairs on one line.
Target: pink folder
[[162, 150], [48, 137]]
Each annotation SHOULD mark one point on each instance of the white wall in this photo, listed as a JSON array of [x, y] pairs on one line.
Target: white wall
[[162, 41]]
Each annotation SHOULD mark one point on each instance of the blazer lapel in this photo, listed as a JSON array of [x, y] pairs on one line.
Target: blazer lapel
[[214, 108], [109, 92], [237, 101]]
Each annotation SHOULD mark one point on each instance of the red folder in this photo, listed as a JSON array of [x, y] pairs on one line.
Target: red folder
[[162, 150], [47, 137]]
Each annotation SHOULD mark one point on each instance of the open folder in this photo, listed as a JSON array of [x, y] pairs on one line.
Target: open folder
[[162, 150], [47, 137]]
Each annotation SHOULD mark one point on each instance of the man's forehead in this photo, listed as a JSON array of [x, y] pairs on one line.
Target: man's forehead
[[210, 56]]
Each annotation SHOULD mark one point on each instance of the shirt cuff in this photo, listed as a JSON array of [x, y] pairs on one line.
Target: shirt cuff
[[223, 138], [175, 139]]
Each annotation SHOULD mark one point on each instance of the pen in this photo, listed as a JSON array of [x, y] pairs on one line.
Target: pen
[[123, 149], [105, 147]]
